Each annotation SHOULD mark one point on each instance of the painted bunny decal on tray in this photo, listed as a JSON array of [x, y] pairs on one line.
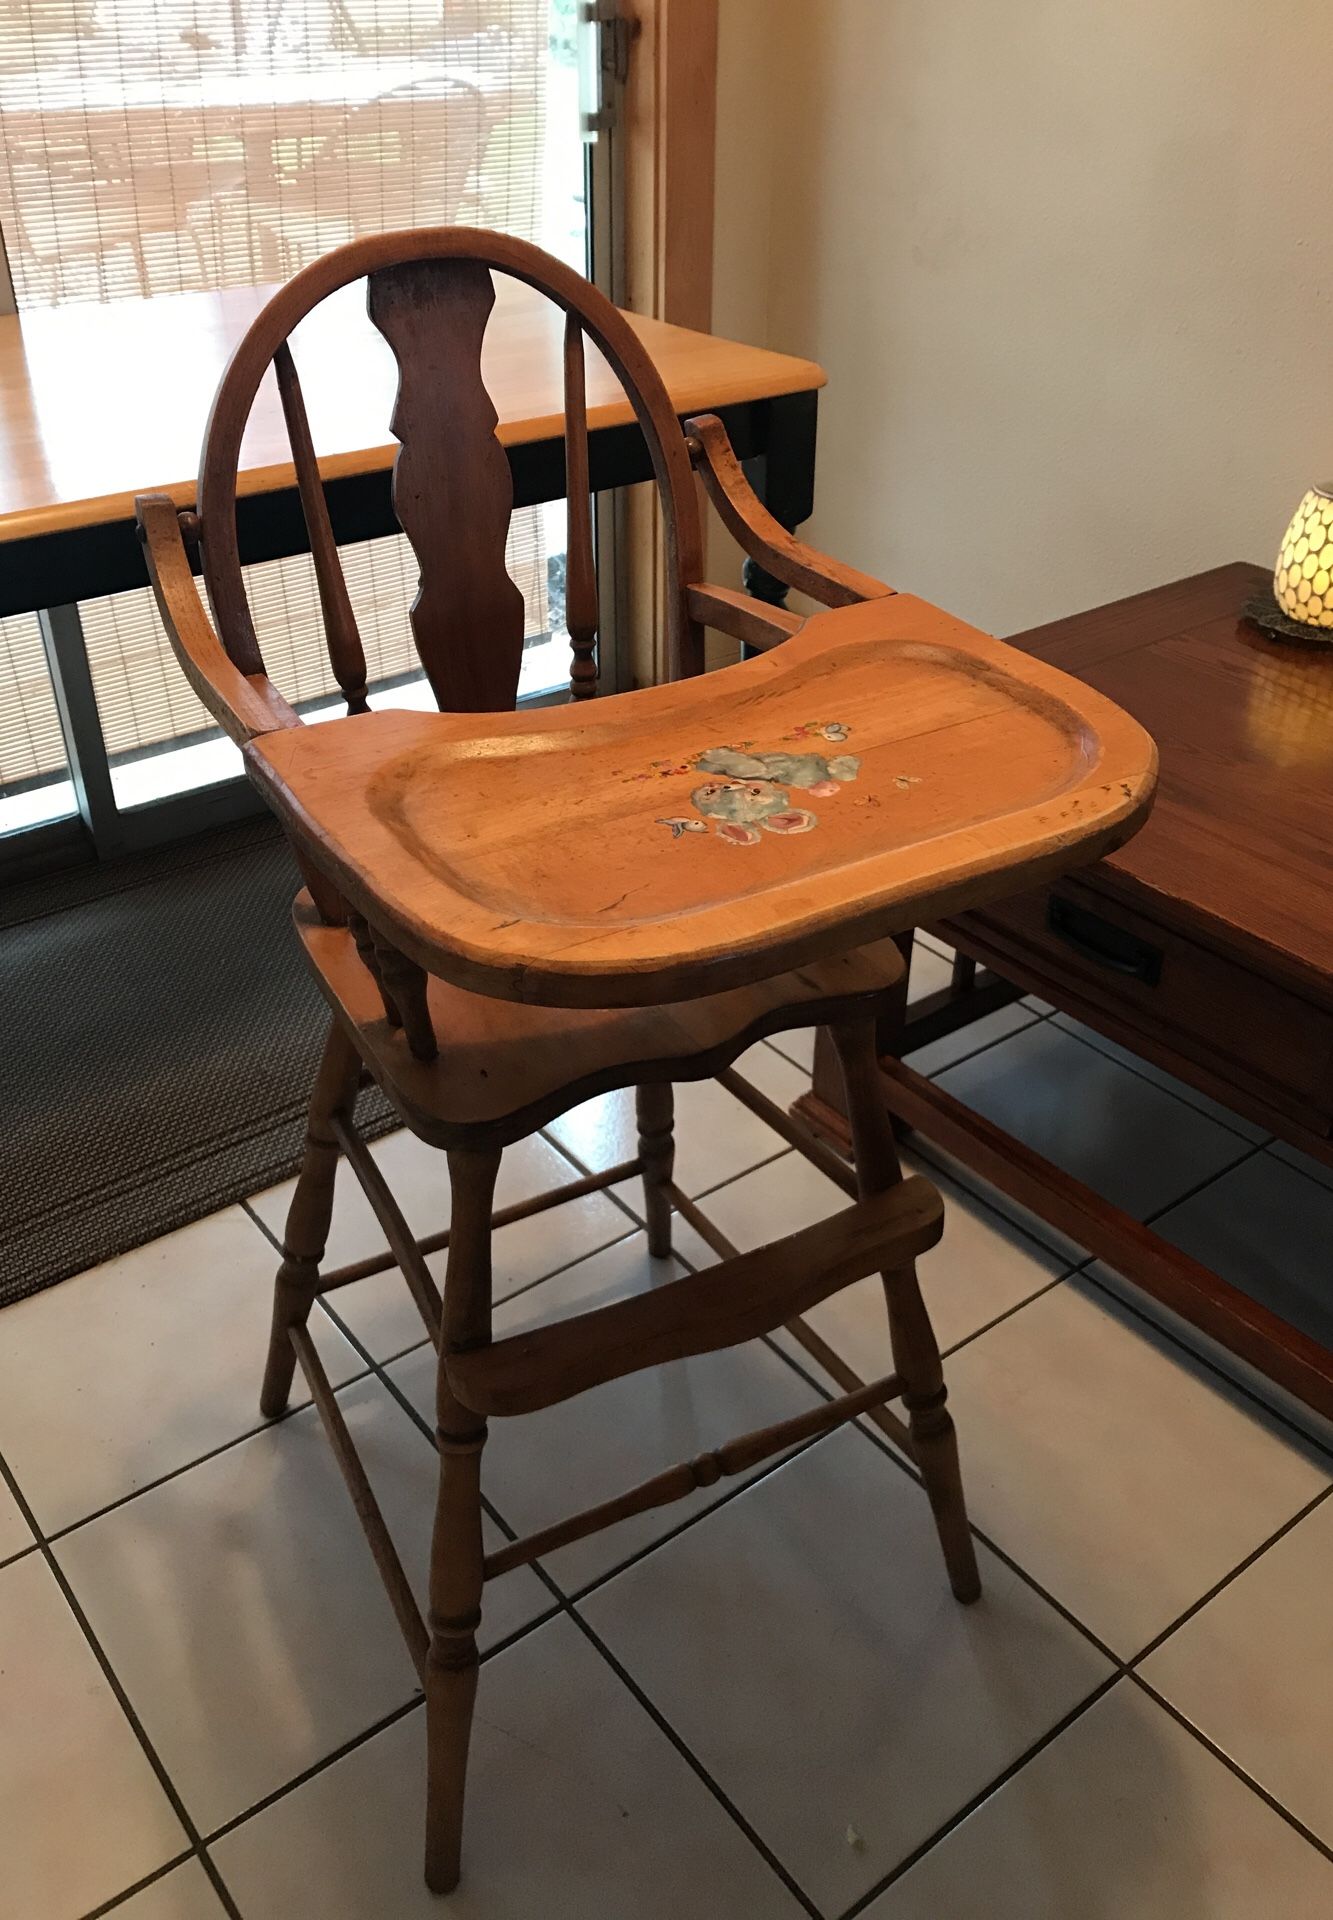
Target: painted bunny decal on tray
[[750, 791]]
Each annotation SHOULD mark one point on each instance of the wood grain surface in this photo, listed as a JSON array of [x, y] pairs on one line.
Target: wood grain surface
[[145, 371], [620, 854]]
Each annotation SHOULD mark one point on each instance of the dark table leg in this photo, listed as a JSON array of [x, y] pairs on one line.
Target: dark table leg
[[969, 996], [783, 476]]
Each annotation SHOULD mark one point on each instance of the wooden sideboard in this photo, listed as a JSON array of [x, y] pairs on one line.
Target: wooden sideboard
[[1205, 944]]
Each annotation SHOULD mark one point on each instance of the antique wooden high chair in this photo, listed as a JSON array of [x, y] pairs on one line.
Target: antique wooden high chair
[[510, 912]]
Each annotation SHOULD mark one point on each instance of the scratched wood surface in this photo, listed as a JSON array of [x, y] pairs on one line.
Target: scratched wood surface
[[884, 761]]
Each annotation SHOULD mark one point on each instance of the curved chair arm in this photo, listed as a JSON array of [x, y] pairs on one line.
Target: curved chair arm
[[750, 523], [755, 623], [243, 704]]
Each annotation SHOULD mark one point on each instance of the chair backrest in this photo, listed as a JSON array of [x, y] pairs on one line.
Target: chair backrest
[[430, 293]]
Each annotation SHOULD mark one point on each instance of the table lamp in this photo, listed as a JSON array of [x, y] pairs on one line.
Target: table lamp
[[1301, 605]]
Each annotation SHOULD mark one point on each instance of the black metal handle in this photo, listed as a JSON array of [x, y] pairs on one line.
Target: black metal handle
[[1103, 943]]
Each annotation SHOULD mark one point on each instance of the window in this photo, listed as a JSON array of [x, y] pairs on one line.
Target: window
[[166, 147], [34, 778]]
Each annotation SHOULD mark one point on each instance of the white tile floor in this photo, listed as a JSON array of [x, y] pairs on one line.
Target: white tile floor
[[760, 1702]]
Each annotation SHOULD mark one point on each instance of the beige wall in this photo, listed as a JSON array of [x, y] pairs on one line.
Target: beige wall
[[1069, 268]]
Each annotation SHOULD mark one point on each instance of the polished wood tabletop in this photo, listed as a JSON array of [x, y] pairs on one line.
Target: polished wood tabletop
[[1241, 842], [101, 402]]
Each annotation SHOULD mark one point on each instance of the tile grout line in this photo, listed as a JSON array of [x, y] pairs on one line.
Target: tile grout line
[[1241, 1567], [400, 1353], [378, 1369], [584, 1168], [313, 1771], [1125, 1665], [1204, 1361], [975, 1053], [564, 1607], [691, 1759], [876, 1439], [1201, 1186], [1232, 1766], [1139, 1074], [567, 1604], [978, 1800], [962, 1175], [868, 1433], [198, 1460], [562, 1602], [1049, 1286], [505, 1526], [724, 1499], [1315, 1179], [361, 1739], [140, 1886], [706, 1193], [150, 1753], [262, 1224]]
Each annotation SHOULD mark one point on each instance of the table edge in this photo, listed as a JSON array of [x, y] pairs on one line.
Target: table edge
[[104, 510]]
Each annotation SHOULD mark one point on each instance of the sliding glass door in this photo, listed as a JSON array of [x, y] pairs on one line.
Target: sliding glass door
[[153, 150]]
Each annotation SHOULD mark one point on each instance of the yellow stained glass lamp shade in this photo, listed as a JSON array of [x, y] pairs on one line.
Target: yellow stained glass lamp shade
[[1303, 578]]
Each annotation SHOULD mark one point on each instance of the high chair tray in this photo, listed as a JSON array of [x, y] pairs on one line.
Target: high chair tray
[[885, 766]]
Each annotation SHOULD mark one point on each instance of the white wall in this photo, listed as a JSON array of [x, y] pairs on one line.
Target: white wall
[[1068, 263]]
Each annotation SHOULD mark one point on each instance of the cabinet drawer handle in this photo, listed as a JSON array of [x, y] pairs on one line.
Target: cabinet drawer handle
[[1101, 942]]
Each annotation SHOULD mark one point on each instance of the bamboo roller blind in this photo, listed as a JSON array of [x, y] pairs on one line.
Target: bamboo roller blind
[[154, 147]]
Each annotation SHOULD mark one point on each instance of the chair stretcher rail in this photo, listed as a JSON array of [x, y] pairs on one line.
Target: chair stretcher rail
[[502, 1217], [735, 1456], [837, 1170], [747, 1295], [396, 1583]]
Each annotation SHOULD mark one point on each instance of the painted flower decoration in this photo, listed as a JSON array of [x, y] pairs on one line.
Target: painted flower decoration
[[749, 794]]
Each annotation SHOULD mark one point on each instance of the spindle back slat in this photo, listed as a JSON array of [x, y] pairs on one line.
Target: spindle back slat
[[581, 610], [346, 654], [452, 489], [430, 293]]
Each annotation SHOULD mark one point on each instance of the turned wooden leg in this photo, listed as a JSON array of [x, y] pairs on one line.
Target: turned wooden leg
[[824, 1108], [456, 1570], [655, 1106], [308, 1216], [916, 1354]]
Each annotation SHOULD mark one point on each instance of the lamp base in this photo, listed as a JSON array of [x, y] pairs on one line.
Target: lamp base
[[1265, 612]]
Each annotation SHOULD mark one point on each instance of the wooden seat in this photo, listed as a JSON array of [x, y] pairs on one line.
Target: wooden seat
[[506, 1070], [510, 912]]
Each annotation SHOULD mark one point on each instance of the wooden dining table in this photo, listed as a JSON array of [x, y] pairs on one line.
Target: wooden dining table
[[99, 403]]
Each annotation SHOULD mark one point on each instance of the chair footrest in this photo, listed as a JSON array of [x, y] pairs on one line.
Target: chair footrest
[[720, 1307]]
